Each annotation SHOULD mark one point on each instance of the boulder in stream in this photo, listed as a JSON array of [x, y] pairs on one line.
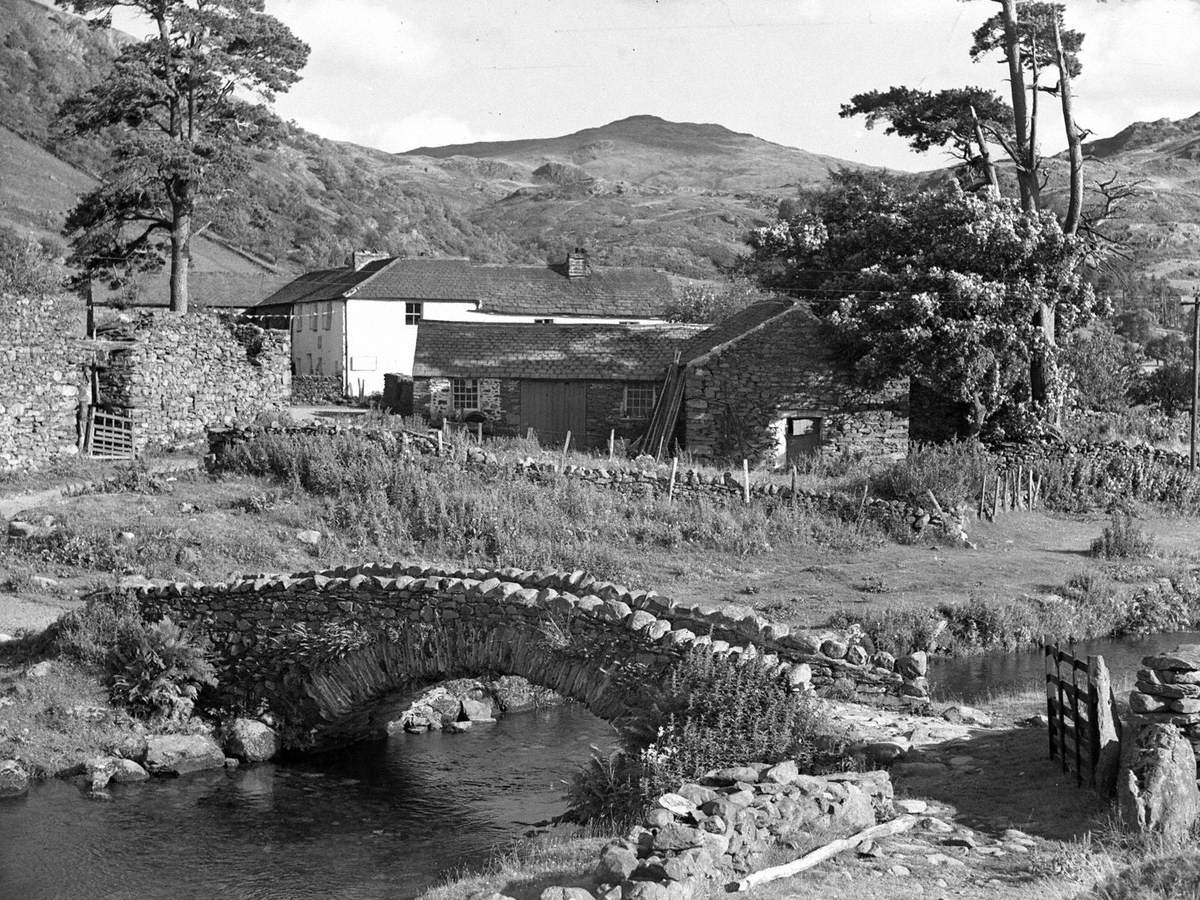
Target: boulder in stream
[[251, 740], [14, 780], [178, 754]]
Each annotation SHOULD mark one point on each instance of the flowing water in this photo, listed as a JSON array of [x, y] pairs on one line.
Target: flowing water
[[377, 820], [974, 679]]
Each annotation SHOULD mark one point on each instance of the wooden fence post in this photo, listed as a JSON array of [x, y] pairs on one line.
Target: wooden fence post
[[1106, 732], [1051, 677], [793, 484], [566, 446], [671, 487], [746, 481], [612, 443], [440, 441], [479, 432]]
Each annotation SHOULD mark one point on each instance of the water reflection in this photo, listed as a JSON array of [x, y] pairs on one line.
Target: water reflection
[[976, 678]]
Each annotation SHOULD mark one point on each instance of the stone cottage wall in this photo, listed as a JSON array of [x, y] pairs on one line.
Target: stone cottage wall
[[737, 394], [183, 374], [43, 359]]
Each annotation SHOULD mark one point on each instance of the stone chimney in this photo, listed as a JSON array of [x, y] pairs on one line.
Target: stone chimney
[[577, 263], [360, 258]]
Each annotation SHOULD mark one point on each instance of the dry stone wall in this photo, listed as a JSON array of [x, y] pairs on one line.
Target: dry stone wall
[[43, 358], [724, 824], [1099, 473], [312, 390], [321, 649], [690, 485], [182, 374]]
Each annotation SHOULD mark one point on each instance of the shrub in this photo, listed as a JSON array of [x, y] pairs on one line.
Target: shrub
[[718, 712], [1123, 538], [159, 671], [89, 634], [953, 472]]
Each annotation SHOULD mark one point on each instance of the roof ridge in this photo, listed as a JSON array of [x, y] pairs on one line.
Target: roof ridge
[[791, 306]]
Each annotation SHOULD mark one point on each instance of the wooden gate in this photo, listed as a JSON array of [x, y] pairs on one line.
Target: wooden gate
[[552, 408], [109, 435], [1083, 727]]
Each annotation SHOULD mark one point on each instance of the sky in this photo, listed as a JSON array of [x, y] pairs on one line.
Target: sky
[[398, 74]]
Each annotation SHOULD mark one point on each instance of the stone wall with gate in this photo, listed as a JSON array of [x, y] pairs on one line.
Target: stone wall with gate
[[182, 374], [43, 370], [322, 649]]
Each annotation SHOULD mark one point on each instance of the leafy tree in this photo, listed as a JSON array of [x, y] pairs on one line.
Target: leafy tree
[[941, 285], [176, 105], [1101, 367], [708, 303], [1169, 387], [28, 267]]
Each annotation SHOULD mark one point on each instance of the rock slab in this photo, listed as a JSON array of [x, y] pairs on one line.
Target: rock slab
[[179, 754], [1156, 785]]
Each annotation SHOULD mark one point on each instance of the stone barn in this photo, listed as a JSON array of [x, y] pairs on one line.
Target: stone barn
[[587, 379], [764, 385]]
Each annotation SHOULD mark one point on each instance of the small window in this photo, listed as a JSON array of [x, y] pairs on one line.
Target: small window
[[413, 313], [320, 365], [543, 321], [308, 358], [311, 312], [327, 315], [464, 393], [639, 401], [318, 342], [297, 319]]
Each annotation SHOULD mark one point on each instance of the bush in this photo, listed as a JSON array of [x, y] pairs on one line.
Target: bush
[[1122, 539], [718, 712], [953, 472], [159, 671]]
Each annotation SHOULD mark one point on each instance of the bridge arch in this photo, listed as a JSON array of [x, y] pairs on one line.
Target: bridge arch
[[322, 649]]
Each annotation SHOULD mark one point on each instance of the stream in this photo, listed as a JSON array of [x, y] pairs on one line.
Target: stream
[[382, 819], [975, 679]]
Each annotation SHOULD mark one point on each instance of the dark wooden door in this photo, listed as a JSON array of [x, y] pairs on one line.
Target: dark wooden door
[[803, 437], [552, 408]]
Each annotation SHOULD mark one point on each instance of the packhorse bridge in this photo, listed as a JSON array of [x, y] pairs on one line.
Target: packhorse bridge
[[322, 650]]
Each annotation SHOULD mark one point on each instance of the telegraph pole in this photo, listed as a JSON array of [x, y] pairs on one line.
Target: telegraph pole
[[1194, 303]]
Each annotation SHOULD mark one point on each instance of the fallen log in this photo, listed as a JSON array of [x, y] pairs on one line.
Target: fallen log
[[809, 860]]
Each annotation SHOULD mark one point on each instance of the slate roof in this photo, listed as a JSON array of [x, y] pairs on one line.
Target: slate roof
[[634, 293], [566, 352], [737, 326]]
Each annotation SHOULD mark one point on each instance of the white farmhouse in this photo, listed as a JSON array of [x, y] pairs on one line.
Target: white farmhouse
[[352, 325]]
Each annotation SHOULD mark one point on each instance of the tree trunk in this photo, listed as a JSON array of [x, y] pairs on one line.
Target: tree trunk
[[181, 239], [1016, 78], [989, 168], [1074, 141]]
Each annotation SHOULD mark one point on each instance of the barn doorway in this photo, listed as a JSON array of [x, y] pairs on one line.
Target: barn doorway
[[803, 437], [552, 408]]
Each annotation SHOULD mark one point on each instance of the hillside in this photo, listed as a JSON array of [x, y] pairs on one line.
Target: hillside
[[641, 190], [638, 191]]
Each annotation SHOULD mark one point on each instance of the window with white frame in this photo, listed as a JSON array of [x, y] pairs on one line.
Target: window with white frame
[[327, 315], [464, 393], [413, 313], [639, 400]]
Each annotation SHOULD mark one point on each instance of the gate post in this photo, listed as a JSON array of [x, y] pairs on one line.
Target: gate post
[[1106, 732]]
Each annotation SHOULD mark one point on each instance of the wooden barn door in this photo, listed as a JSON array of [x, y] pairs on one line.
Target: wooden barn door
[[552, 408]]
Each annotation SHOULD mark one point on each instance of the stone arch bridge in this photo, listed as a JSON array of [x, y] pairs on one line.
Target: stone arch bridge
[[321, 650]]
